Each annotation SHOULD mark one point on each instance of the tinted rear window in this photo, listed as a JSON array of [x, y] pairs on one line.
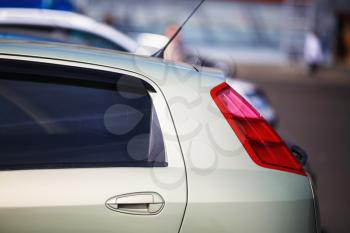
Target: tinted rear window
[[57, 122]]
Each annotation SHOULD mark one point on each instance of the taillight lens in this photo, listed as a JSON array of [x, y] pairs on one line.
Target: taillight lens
[[263, 144]]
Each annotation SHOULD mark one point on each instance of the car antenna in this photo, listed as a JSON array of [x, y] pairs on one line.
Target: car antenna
[[160, 53]]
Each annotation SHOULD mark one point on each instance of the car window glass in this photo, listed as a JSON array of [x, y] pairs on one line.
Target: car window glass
[[57, 34], [50, 122]]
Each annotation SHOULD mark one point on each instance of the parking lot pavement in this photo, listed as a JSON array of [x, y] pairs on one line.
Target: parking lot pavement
[[315, 113]]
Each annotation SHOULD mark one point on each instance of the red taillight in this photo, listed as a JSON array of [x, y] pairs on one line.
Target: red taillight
[[262, 143]]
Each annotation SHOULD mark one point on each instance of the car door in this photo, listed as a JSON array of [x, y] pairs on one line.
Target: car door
[[83, 150]]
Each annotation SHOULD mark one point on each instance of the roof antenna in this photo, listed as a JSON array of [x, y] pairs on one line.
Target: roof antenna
[[160, 53]]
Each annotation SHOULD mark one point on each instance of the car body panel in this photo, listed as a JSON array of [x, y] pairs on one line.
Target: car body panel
[[227, 191], [74, 199]]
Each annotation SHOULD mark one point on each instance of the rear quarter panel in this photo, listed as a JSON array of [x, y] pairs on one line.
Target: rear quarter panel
[[227, 191]]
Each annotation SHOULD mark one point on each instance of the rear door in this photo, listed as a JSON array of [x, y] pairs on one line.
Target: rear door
[[83, 150]]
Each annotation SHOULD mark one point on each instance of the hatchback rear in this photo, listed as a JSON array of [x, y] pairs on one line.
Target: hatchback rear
[[99, 141]]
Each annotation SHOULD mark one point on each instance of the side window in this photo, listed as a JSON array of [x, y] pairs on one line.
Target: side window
[[81, 37], [58, 122], [57, 34], [42, 33]]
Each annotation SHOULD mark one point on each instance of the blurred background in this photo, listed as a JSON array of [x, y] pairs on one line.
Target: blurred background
[[247, 31], [296, 52]]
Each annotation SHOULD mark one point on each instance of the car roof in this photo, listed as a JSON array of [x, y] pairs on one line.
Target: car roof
[[65, 19], [160, 71]]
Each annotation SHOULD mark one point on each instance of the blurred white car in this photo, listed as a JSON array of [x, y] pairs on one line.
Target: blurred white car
[[61, 26], [65, 26], [100, 141]]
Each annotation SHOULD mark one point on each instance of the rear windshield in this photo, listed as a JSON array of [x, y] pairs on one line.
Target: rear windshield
[[59, 122]]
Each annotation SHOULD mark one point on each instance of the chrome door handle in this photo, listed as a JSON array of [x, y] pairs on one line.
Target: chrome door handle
[[141, 203]]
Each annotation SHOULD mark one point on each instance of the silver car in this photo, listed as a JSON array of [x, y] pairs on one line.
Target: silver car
[[100, 141]]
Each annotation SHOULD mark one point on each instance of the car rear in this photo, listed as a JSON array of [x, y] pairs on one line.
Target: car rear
[[241, 175]]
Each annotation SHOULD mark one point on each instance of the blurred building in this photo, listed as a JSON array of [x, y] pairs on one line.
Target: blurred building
[[250, 31], [244, 31], [332, 20]]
